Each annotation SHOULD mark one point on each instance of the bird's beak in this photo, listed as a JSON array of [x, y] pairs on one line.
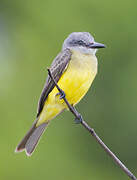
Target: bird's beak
[[96, 45]]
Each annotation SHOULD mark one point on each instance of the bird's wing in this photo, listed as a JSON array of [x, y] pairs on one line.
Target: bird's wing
[[58, 66]]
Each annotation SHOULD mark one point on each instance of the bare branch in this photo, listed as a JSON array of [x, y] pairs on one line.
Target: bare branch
[[92, 132]]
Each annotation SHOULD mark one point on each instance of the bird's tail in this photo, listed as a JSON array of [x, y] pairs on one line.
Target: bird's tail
[[31, 139]]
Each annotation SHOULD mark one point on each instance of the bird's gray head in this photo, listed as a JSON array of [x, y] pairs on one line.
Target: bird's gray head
[[82, 41]]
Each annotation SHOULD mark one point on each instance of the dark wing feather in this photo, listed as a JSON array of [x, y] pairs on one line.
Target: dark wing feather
[[58, 66]]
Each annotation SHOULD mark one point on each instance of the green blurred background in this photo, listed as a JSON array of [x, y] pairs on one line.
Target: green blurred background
[[31, 35]]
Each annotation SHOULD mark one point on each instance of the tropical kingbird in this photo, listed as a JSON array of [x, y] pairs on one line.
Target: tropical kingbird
[[74, 68]]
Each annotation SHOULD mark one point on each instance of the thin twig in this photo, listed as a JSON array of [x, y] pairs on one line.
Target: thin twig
[[92, 132]]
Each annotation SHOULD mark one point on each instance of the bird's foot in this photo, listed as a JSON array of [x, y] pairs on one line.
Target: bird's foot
[[78, 119], [62, 94]]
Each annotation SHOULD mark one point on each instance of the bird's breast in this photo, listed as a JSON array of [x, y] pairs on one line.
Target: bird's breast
[[78, 76], [75, 82]]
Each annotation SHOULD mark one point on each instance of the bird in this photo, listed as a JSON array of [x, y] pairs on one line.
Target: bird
[[74, 70]]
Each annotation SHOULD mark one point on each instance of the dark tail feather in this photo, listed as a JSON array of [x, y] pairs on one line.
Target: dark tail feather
[[31, 139]]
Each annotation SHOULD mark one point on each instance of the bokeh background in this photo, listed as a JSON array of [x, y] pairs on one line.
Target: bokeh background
[[31, 35]]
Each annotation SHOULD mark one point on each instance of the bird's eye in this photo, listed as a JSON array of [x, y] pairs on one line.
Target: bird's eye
[[80, 42]]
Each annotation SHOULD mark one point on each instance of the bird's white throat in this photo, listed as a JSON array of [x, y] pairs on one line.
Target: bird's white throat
[[85, 50]]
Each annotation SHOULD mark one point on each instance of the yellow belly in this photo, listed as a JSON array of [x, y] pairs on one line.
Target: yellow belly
[[75, 82]]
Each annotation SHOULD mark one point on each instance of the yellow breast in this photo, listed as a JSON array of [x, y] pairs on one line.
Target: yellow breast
[[75, 82], [78, 77]]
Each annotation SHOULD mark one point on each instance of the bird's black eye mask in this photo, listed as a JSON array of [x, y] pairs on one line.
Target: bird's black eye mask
[[78, 43]]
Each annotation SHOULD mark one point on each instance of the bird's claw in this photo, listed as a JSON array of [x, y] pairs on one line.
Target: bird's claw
[[78, 119], [62, 94]]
